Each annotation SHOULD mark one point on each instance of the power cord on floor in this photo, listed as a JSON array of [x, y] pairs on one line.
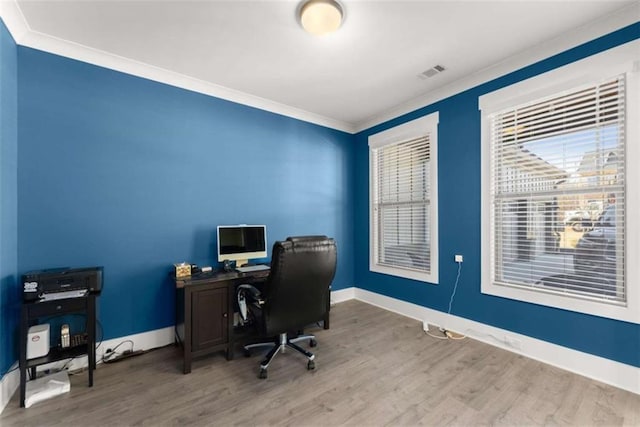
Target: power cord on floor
[[440, 337], [447, 334], [111, 354], [100, 331]]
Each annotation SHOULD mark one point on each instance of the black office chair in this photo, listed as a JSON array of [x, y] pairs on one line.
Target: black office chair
[[295, 295]]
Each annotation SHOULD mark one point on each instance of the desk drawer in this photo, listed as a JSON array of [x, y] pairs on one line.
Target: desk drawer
[[48, 308]]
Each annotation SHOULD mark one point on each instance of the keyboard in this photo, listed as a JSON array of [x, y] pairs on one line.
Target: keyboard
[[65, 294], [251, 268]]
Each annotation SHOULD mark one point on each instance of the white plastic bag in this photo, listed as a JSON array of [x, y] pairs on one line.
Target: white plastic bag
[[46, 387]]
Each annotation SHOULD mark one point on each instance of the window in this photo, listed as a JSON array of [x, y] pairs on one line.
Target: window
[[556, 189], [404, 210]]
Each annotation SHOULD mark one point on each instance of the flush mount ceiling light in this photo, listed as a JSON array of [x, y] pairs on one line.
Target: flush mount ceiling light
[[320, 17]]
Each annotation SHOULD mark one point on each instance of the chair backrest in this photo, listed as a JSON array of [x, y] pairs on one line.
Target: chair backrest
[[297, 291]]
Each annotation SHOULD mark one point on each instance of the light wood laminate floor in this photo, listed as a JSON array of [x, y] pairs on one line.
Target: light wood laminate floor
[[374, 368]]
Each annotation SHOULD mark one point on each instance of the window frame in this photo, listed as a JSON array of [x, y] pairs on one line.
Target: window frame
[[623, 59], [427, 125]]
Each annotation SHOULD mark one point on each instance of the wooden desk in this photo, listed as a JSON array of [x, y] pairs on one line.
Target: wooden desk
[[204, 312]]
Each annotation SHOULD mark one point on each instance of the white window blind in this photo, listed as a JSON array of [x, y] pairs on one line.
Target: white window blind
[[401, 204], [557, 177]]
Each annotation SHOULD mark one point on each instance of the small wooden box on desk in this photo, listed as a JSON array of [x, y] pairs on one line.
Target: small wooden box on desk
[[204, 312]]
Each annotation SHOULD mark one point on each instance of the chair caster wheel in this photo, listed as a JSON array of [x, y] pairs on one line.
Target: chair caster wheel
[[311, 365], [313, 343], [263, 374]]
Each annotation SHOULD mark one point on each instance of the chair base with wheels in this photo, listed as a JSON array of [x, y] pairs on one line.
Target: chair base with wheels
[[279, 346]]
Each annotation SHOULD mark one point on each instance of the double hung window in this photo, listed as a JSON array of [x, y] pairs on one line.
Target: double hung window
[[556, 189], [404, 200]]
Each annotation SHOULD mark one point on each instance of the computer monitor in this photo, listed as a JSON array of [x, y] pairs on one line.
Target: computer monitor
[[240, 243]]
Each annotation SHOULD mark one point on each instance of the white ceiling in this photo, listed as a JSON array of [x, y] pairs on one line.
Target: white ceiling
[[355, 76]]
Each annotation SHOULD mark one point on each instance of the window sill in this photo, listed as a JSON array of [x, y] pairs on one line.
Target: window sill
[[431, 278], [627, 313]]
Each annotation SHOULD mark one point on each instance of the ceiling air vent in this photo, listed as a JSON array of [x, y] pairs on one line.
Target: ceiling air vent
[[431, 72]]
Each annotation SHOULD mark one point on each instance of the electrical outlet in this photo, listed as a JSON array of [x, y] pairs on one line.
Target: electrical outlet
[[458, 258]]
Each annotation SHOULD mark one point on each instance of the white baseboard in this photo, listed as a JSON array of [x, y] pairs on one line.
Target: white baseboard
[[342, 295], [617, 374], [8, 385], [143, 341], [614, 373]]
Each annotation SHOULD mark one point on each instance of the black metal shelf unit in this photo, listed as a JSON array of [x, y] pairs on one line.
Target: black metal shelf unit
[[33, 311]]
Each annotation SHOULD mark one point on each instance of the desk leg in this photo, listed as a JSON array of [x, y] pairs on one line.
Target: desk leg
[[91, 339], [186, 340], [24, 327], [326, 316], [23, 386], [231, 297]]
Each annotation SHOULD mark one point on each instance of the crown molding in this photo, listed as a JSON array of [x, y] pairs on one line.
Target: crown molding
[[24, 36], [626, 16], [14, 20]]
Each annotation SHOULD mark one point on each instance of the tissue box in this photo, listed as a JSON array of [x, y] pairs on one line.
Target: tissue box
[[38, 341], [183, 269]]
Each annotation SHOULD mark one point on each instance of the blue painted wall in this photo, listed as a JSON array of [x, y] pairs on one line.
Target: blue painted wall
[[8, 199], [135, 175], [459, 217]]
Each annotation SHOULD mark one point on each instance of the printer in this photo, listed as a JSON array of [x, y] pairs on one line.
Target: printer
[[61, 283]]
